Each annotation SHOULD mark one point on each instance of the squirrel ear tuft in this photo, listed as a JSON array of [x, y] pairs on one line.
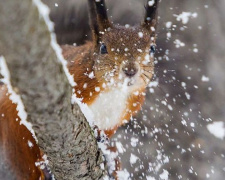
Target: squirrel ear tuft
[[150, 19], [98, 18]]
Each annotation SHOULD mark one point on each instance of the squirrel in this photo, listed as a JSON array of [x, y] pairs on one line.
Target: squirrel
[[111, 74], [113, 70]]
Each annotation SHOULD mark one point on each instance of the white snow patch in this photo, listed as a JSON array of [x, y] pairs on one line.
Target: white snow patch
[[164, 175], [217, 129], [85, 110], [147, 59], [140, 34], [170, 107], [91, 75], [153, 84], [178, 43], [188, 96], [183, 84], [184, 16], [120, 147], [151, 2], [195, 50], [123, 175], [42, 164], [205, 79], [15, 98], [97, 89], [30, 144], [168, 24], [134, 141], [168, 35], [109, 155], [150, 178], [133, 159], [139, 50]]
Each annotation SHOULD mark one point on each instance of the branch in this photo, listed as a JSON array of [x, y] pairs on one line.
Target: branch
[[61, 129]]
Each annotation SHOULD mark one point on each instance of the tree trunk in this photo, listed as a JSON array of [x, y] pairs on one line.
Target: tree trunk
[[61, 129]]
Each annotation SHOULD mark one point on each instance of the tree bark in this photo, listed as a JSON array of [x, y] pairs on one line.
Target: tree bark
[[61, 129]]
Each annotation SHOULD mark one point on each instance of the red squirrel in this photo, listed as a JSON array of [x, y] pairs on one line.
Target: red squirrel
[[113, 70]]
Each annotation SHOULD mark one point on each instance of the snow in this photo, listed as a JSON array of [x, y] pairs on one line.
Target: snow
[[217, 129], [120, 147], [85, 109], [15, 98], [42, 164], [164, 175], [139, 50], [151, 2], [178, 43], [168, 35], [205, 78], [134, 141], [109, 156], [97, 89], [168, 24], [147, 59], [153, 84], [188, 96], [123, 175], [133, 159], [184, 16], [195, 50], [91, 75], [170, 107], [140, 34], [30, 144], [150, 178], [183, 84]]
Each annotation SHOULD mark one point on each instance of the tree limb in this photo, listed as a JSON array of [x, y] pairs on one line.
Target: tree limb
[[62, 131]]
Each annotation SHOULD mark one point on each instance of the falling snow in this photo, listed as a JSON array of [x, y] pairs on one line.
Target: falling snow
[[217, 129], [184, 16]]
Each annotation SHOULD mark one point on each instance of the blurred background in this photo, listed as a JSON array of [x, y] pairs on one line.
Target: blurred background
[[171, 138]]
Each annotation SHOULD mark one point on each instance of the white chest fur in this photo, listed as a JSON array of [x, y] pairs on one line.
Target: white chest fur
[[108, 108]]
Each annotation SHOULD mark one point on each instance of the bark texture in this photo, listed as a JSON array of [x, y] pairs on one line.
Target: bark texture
[[62, 131]]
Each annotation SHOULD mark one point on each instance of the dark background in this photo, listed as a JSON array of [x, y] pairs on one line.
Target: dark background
[[175, 140]]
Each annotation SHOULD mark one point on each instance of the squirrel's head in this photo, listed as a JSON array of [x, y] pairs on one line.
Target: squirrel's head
[[123, 54]]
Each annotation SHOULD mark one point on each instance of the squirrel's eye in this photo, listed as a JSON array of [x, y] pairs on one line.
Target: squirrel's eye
[[152, 49], [103, 49]]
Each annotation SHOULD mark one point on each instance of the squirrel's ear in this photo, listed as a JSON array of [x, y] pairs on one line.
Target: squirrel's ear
[[98, 18], [150, 19], [103, 20]]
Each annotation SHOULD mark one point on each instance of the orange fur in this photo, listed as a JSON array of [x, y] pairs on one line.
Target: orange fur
[[14, 142], [80, 65]]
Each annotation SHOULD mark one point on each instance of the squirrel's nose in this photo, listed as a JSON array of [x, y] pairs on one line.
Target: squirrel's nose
[[130, 69]]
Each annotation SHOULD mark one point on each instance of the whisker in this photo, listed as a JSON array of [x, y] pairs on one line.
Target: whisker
[[144, 79], [147, 76], [150, 72]]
